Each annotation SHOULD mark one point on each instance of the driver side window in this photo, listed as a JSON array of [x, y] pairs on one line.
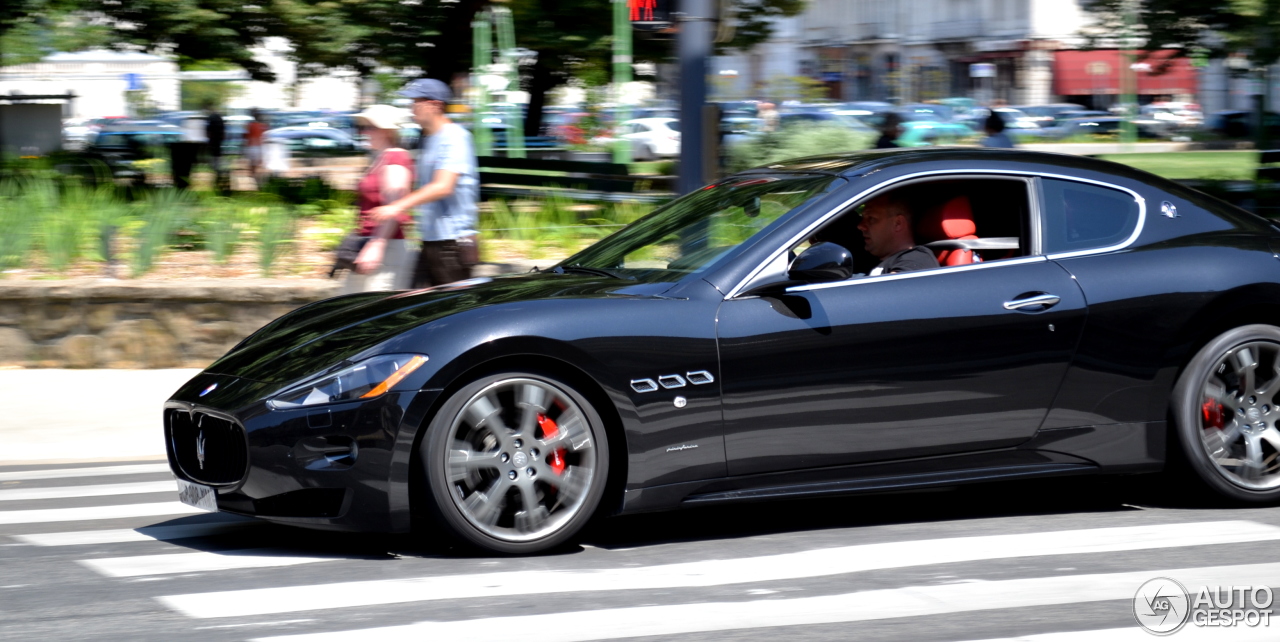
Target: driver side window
[[960, 221]]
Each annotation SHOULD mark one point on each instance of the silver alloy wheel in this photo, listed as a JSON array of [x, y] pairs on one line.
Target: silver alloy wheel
[[1238, 415], [521, 459]]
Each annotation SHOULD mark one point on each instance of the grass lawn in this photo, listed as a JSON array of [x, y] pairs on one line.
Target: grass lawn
[[1231, 165]]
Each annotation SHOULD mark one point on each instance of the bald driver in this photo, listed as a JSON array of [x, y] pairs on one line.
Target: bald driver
[[886, 227]]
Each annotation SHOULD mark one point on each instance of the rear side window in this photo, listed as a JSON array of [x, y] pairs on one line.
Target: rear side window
[[1080, 216]]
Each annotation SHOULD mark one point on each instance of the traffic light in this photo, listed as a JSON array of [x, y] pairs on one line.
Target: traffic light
[[651, 15]]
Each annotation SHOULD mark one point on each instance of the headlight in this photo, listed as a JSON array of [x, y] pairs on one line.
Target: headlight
[[365, 380]]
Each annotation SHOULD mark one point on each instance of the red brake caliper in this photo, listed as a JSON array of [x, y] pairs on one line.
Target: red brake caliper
[[1212, 413], [549, 430]]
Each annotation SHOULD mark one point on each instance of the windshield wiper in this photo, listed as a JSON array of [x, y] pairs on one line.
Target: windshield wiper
[[582, 269]]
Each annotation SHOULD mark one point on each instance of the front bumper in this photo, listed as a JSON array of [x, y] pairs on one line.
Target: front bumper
[[338, 466]]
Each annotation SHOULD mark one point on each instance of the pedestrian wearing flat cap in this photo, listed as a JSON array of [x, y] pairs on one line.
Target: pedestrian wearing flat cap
[[383, 262], [448, 189]]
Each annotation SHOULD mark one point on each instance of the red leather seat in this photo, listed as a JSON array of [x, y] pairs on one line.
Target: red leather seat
[[952, 220]]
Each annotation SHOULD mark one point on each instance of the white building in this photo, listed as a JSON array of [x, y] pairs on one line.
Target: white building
[[339, 89], [911, 50], [98, 79]]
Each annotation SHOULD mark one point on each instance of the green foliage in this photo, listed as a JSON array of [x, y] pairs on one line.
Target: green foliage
[[1246, 26], [162, 212], [223, 221], [332, 218], [17, 219], [276, 228], [796, 141]]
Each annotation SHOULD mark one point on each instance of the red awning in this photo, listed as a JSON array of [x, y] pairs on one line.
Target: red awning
[[1082, 73]]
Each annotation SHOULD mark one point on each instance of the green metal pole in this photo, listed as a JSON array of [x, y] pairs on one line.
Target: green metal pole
[[621, 73], [481, 50], [1128, 79], [507, 50]]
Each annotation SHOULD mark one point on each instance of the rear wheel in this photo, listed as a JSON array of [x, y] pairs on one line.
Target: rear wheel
[[1225, 407], [516, 462]]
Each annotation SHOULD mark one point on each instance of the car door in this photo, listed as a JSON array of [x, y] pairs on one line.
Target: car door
[[917, 364]]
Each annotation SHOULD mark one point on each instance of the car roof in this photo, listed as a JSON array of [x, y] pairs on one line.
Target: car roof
[[855, 164]]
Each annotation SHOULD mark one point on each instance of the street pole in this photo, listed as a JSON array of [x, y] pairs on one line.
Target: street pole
[[481, 43], [621, 73], [507, 50], [693, 49], [1128, 79]]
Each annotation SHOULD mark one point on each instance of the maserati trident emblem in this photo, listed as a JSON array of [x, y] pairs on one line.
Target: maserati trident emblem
[[200, 449], [211, 388]]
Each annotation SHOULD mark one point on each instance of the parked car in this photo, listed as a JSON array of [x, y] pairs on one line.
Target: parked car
[[1106, 127], [120, 145], [1179, 116], [1046, 116], [730, 347], [308, 141], [652, 138], [1240, 124], [76, 133]]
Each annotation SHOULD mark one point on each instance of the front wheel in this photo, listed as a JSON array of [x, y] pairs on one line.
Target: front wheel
[[1225, 409], [516, 462]]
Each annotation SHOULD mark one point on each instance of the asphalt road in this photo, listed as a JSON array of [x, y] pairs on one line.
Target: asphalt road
[[104, 551]]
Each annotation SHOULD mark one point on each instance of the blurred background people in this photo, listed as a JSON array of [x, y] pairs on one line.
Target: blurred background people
[[890, 131], [383, 262], [994, 127], [253, 143], [215, 132]]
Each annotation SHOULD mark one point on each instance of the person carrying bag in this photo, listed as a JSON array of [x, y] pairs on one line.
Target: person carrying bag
[[380, 252], [447, 193]]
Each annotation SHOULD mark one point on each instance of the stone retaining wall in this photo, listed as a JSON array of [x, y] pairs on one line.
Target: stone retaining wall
[[128, 324]]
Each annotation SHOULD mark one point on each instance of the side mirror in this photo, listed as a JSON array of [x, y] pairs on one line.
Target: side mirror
[[821, 263]]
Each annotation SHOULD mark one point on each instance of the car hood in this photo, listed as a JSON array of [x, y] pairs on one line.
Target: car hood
[[318, 336]]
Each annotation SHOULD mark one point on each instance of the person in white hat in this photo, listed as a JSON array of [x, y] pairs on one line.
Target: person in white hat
[[382, 263]]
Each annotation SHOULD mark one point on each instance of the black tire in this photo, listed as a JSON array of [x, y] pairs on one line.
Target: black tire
[[482, 436], [1217, 411]]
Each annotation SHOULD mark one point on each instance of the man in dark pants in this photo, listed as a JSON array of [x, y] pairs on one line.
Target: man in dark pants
[[215, 131], [449, 186]]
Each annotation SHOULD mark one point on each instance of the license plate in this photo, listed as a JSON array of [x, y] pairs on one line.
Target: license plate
[[203, 497]]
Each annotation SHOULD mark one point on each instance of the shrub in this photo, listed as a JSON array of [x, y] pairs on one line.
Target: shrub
[[276, 228], [162, 211], [796, 141]]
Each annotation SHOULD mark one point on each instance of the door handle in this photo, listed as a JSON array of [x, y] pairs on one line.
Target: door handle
[[1044, 301]]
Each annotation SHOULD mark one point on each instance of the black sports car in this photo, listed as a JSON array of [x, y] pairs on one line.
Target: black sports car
[[1086, 318]]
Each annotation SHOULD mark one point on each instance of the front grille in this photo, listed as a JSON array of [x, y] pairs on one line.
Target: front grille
[[209, 449]]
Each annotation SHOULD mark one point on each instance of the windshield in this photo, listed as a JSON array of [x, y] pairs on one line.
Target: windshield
[[690, 233]]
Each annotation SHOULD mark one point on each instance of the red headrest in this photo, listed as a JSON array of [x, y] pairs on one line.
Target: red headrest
[[952, 220]]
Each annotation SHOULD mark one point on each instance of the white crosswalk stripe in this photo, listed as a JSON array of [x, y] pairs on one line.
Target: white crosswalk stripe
[[839, 584], [101, 490], [98, 471], [1136, 634], [145, 534], [175, 563], [807, 564], [39, 515], [915, 601]]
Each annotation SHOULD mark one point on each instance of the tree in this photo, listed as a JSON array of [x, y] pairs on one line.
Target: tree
[[575, 36], [33, 29], [1220, 26]]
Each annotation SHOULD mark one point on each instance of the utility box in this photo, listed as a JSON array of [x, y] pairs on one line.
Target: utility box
[[30, 129]]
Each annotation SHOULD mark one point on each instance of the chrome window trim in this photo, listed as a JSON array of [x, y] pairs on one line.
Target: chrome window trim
[[1034, 208], [1022, 260]]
